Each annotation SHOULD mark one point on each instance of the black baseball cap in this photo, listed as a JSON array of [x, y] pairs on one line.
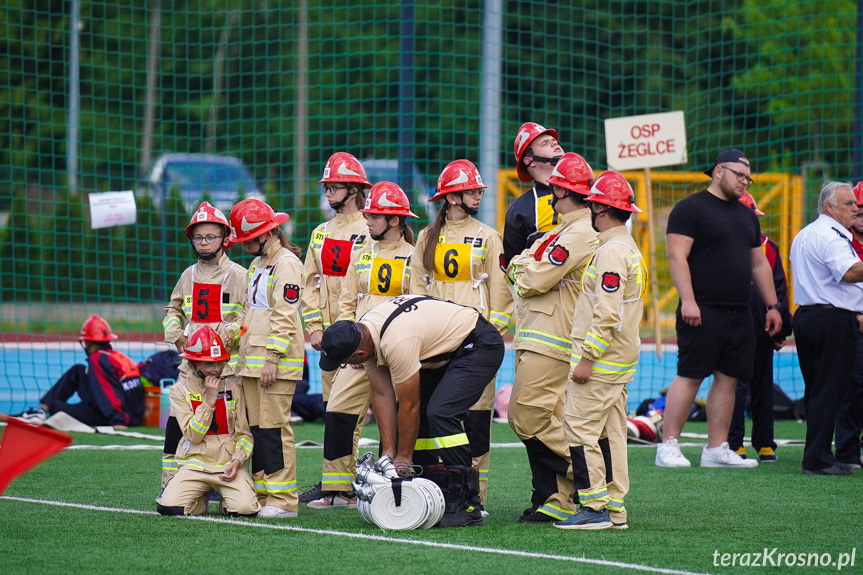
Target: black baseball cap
[[339, 343], [730, 155]]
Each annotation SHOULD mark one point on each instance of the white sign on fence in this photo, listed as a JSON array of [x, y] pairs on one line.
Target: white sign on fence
[[112, 209], [646, 141]]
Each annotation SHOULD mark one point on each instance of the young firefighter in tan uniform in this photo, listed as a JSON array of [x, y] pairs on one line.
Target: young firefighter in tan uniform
[[546, 277], [605, 348], [457, 259], [271, 352], [331, 247], [378, 273], [215, 440], [210, 292]]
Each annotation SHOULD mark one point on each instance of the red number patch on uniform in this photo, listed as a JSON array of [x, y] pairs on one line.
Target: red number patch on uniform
[[558, 255], [292, 293], [610, 281], [335, 257]]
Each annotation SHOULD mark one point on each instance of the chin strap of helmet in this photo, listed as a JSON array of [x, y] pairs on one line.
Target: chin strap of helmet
[[553, 160], [469, 211], [380, 236], [336, 206], [260, 251]]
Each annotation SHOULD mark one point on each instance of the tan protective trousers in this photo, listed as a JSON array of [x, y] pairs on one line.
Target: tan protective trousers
[[189, 485]]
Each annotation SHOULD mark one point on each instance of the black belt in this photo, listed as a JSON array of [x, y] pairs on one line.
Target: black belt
[[828, 306]]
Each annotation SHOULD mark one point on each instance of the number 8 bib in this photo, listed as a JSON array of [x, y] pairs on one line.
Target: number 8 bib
[[452, 262]]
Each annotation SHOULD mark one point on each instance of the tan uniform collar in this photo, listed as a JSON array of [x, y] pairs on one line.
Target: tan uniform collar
[[612, 232], [575, 216]]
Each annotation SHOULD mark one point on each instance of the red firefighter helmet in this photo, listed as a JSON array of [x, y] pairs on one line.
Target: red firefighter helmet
[[858, 193], [343, 167], [573, 173], [387, 199], [207, 214], [96, 329], [458, 176], [748, 200], [205, 345], [528, 132], [251, 218], [612, 189]]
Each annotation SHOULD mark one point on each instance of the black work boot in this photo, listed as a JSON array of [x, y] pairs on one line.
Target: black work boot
[[462, 501]]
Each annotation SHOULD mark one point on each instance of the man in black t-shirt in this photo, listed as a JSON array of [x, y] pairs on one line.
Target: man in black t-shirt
[[715, 256]]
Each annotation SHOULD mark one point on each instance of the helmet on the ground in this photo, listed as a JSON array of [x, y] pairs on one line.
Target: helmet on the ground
[[612, 189], [388, 199], [528, 132], [573, 173], [207, 214], [205, 345], [344, 167], [96, 329], [748, 200], [252, 218], [458, 176]]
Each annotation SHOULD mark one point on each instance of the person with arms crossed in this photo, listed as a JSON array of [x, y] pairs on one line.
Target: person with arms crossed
[[715, 257], [826, 270]]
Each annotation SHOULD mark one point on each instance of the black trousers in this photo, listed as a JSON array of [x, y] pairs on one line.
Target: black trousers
[[447, 393], [74, 380], [826, 346], [760, 387], [849, 421]]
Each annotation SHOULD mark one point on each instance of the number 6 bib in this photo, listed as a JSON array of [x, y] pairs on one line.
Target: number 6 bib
[[452, 262]]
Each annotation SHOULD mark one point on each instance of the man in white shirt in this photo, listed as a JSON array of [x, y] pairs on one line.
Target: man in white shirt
[[825, 269]]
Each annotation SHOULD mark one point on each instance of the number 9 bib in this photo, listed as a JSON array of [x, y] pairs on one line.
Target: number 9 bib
[[386, 277], [452, 262]]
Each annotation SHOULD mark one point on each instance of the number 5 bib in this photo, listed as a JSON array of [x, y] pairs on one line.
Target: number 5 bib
[[452, 262]]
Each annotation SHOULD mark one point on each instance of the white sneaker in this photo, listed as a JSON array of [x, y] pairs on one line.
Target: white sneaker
[[723, 456], [335, 500], [668, 455], [273, 511]]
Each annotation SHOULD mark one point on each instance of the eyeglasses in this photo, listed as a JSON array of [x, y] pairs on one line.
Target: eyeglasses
[[740, 176], [330, 190], [206, 239], [474, 193]]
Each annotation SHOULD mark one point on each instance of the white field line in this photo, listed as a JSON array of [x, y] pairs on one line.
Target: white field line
[[383, 538]]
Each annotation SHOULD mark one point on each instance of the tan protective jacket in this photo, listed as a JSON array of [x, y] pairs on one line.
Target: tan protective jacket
[[212, 437], [546, 276], [480, 284], [609, 309], [273, 329], [381, 271], [331, 249], [196, 297]]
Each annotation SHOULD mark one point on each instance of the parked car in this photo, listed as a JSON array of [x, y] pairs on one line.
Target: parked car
[[224, 179]]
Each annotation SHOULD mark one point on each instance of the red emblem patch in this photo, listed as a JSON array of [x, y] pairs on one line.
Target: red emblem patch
[[558, 255], [610, 281], [503, 262], [292, 293]]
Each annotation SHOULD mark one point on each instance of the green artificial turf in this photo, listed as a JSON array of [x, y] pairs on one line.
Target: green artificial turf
[[679, 519]]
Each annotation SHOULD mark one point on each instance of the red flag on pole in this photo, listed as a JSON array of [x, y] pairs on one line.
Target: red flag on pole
[[25, 446]]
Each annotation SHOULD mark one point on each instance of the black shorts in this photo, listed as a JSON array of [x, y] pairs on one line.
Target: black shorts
[[724, 342]]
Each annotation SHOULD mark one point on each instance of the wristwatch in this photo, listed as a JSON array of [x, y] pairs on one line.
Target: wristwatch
[[775, 306]]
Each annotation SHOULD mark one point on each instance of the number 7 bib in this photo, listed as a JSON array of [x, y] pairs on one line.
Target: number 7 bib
[[452, 262]]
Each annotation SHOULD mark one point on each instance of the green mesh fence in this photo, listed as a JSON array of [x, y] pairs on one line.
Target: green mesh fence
[[91, 99]]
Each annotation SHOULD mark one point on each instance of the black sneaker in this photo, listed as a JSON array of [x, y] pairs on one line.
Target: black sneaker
[[531, 515], [35, 416], [464, 517], [312, 494]]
